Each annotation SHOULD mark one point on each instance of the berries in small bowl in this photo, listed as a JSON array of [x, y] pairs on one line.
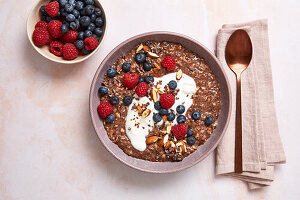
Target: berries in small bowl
[[66, 31]]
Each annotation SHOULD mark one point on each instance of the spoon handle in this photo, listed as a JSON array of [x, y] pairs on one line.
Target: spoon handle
[[238, 164]]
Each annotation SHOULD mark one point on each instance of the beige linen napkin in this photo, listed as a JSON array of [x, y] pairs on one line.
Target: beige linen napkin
[[262, 147]]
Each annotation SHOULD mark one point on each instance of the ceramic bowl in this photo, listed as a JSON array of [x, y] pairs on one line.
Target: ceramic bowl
[[35, 16], [203, 150]]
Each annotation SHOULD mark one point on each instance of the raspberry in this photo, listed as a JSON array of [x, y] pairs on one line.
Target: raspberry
[[179, 131], [142, 89], [169, 63], [167, 100], [56, 48], [70, 36], [104, 109], [41, 24], [54, 28], [130, 80], [90, 43], [70, 52], [40, 36], [52, 9]]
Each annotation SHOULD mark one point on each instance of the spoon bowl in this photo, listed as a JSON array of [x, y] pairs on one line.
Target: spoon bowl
[[238, 54]]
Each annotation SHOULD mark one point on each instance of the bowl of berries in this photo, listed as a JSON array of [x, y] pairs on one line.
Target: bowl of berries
[[160, 102], [66, 31]]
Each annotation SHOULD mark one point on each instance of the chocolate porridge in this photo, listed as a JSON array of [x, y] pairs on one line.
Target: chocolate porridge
[[166, 130]]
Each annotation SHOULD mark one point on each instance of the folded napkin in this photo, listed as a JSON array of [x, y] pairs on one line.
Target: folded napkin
[[262, 147]]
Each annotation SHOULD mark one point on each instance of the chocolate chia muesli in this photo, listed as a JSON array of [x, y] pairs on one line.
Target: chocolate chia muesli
[[159, 102]]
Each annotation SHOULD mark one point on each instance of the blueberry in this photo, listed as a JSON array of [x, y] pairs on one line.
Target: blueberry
[[127, 100], [126, 67], [73, 26], [79, 5], [98, 31], [149, 79], [84, 21], [99, 22], [63, 2], [91, 27], [43, 18], [141, 79], [147, 66], [208, 120], [110, 118], [64, 28], [79, 44], [93, 17], [72, 2], [163, 112], [89, 2], [172, 85], [98, 12], [88, 33], [191, 140], [42, 10], [76, 13], [63, 12], [157, 117], [49, 19], [114, 100], [111, 72], [69, 8], [180, 109], [171, 117], [85, 51], [80, 35], [77, 23], [103, 90], [181, 119], [157, 105], [140, 58], [95, 36], [82, 12], [70, 18], [89, 9], [196, 115], [189, 132]]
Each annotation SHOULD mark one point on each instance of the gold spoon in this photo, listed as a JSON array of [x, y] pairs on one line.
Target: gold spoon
[[238, 54]]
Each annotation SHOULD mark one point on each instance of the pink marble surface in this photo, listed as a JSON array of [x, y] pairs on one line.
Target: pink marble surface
[[48, 148]]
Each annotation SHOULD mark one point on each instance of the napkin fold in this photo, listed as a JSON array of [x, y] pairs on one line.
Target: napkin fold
[[261, 143]]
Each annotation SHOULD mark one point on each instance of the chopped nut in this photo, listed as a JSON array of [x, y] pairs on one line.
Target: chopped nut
[[139, 108], [156, 66], [167, 144], [146, 48], [164, 131], [156, 72], [169, 126], [179, 74], [151, 139], [160, 92], [152, 55], [165, 118], [139, 48], [146, 113], [153, 95]]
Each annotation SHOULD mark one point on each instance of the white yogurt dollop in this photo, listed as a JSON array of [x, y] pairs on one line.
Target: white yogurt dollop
[[138, 127]]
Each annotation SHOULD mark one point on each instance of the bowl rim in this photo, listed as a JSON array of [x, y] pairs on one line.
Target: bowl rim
[[92, 90], [29, 35]]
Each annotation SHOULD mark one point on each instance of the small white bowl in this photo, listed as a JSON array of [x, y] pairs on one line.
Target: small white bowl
[[35, 16]]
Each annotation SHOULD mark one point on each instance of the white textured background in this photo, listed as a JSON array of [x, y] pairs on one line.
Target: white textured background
[[48, 148]]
